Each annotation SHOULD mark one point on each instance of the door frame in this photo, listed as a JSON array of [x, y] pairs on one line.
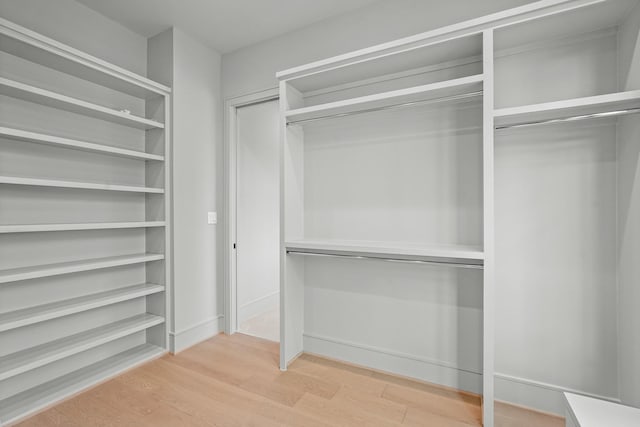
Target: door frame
[[231, 106]]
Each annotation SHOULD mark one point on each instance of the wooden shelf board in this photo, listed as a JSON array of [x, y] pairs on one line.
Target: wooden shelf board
[[25, 273], [427, 92], [20, 41], [40, 138], [567, 108], [22, 405], [41, 313], [41, 182], [392, 250], [31, 228], [35, 357], [592, 412], [37, 95]]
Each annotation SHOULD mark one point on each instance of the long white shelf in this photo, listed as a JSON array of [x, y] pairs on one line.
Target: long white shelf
[[390, 250], [27, 403], [35, 357], [599, 104], [41, 96], [40, 182], [433, 91], [34, 272], [41, 313], [22, 42], [40, 138], [31, 228]]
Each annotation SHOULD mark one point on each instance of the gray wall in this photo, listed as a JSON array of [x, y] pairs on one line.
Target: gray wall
[[193, 71], [82, 28]]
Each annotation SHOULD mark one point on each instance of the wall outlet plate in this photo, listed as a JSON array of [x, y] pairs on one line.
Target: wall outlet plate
[[212, 217]]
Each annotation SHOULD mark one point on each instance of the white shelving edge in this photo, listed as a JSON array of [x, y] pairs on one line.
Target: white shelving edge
[[22, 405], [31, 315], [20, 41], [40, 138], [35, 357], [418, 93], [32, 228], [591, 412], [30, 93], [38, 271], [567, 108], [40, 182], [452, 254]]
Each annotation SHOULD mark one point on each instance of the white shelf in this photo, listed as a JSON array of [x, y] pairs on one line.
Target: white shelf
[[30, 93], [22, 42], [427, 92], [40, 182], [25, 273], [41, 313], [35, 357], [591, 412], [567, 108], [31, 401], [390, 250], [40, 138], [31, 228]]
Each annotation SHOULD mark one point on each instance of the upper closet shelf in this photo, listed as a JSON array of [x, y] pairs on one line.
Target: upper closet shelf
[[20, 41], [611, 104], [459, 255], [38, 182], [37, 95], [441, 91], [40, 138]]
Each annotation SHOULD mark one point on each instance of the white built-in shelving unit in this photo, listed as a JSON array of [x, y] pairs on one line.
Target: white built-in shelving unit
[[484, 159], [84, 221]]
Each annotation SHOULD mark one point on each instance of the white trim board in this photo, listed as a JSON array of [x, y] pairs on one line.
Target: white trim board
[[259, 305], [417, 367], [196, 333], [534, 394]]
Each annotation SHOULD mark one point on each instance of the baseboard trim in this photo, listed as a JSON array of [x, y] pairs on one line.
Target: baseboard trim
[[423, 369], [538, 395], [258, 306], [196, 333]]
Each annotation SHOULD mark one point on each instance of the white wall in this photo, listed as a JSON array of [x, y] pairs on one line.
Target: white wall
[[83, 29], [258, 209], [193, 71], [253, 68]]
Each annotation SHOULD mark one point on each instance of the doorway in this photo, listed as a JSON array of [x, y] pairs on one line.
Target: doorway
[[257, 220]]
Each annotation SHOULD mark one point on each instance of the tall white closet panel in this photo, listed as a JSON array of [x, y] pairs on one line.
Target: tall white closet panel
[[83, 221], [452, 204]]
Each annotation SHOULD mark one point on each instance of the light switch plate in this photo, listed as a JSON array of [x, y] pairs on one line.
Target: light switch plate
[[212, 217]]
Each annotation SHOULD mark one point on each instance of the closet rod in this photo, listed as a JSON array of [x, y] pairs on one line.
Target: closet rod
[[390, 107], [572, 118], [408, 261]]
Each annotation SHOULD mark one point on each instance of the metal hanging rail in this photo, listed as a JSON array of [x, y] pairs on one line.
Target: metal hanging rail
[[398, 260], [572, 118], [390, 107]]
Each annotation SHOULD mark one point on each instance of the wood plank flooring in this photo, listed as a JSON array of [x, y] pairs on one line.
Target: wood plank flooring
[[235, 381]]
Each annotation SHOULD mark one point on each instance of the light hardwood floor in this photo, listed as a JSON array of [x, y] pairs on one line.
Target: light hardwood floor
[[235, 381]]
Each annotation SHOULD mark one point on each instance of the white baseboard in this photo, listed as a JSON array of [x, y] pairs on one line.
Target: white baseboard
[[258, 306], [194, 334], [537, 395], [394, 362]]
